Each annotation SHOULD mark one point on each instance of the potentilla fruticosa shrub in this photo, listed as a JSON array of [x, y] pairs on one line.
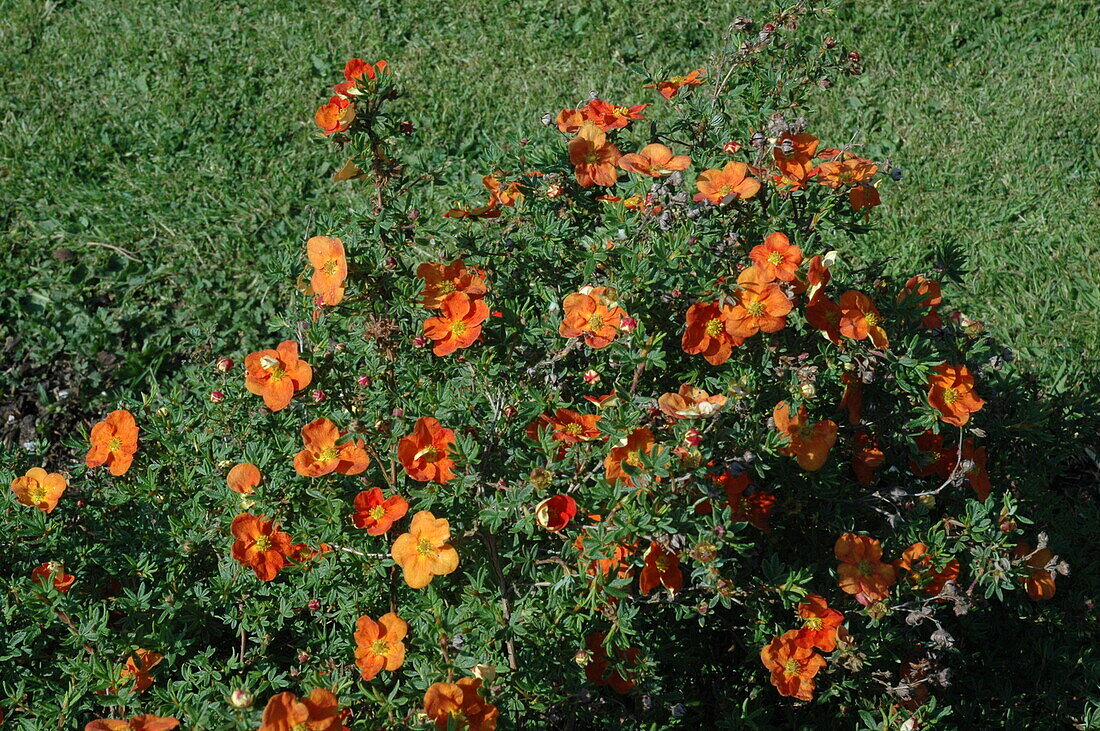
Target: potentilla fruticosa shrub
[[633, 439]]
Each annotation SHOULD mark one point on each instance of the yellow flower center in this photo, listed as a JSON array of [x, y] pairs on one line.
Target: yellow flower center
[[595, 322], [950, 395], [115, 444], [663, 564], [756, 309], [268, 362], [871, 318], [54, 567], [330, 266], [574, 429], [277, 374], [377, 512], [814, 623], [328, 454], [424, 547], [263, 543], [458, 329], [621, 111], [714, 327], [725, 190], [300, 727], [775, 258], [633, 458], [37, 493], [380, 647], [864, 567], [447, 287], [591, 158], [792, 667]]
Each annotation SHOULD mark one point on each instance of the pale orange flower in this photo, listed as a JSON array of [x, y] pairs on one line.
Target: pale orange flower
[[323, 456], [277, 374], [594, 157], [330, 268], [425, 551], [39, 489], [113, 442], [655, 160], [243, 478], [380, 645], [729, 183]]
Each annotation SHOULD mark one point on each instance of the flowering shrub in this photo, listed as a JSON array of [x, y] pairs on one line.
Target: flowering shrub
[[638, 441]]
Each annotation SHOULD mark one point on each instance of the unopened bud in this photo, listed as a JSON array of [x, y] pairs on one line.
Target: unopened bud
[[420, 341], [488, 673], [693, 438], [364, 381], [509, 411], [240, 699], [731, 148], [591, 376], [319, 396], [217, 397], [628, 324], [554, 191], [313, 605], [224, 365], [582, 658]]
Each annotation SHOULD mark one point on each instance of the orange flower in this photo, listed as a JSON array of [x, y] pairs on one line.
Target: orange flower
[[776, 258], [260, 545], [823, 314], [793, 156], [867, 458], [323, 456], [951, 392], [618, 561], [732, 181], [918, 563], [859, 319], [709, 332], [379, 645], [53, 571], [425, 453], [330, 268], [144, 722], [458, 324], [336, 116], [852, 398], [661, 568], [320, 712], [554, 513], [594, 157], [819, 625], [598, 667], [753, 508], [424, 552], [489, 210], [691, 403], [113, 442], [758, 306], [441, 280], [923, 294], [864, 196], [276, 374], [655, 160], [604, 402], [1039, 582], [809, 443], [817, 276], [377, 514], [138, 666], [506, 196], [243, 478], [568, 426], [671, 87], [39, 489], [608, 116], [630, 452], [793, 667], [836, 173], [592, 313], [357, 68], [460, 706], [570, 121], [861, 571]]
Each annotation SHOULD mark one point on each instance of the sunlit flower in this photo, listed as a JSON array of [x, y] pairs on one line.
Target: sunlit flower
[[691, 403], [655, 160], [918, 563], [243, 478], [661, 568], [39, 489], [861, 570], [630, 453], [594, 158], [425, 552], [951, 392], [709, 332], [555, 513], [319, 712], [669, 88], [114, 442], [138, 666], [277, 375], [376, 514], [859, 319], [440, 280], [143, 722], [808, 442], [458, 324], [380, 645], [792, 666], [53, 572], [819, 624], [592, 313], [567, 426], [425, 454], [322, 455], [330, 268], [460, 706], [260, 545], [729, 183]]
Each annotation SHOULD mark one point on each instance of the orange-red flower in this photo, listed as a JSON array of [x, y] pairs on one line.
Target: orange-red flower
[[568, 426], [629, 452], [819, 624], [671, 87], [594, 314], [425, 454], [941, 462], [458, 324], [440, 280], [609, 116], [425, 552], [709, 332], [53, 572], [776, 258], [753, 506], [499, 194], [808, 443], [594, 157], [817, 276], [923, 294], [951, 392], [377, 514], [336, 116], [113, 442], [460, 706], [322, 456], [39, 489], [380, 645], [861, 570], [243, 478], [330, 268], [138, 666], [661, 568], [919, 564], [618, 562], [320, 712], [823, 314], [144, 722], [260, 545], [1039, 582], [758, 306], [859, 319], [867, 458], [554, 513], [655, 160], [357, 68], [851, 171], [598, 671], [691, 403], [729, 183], [793, 156], [793, 666], [864, 196], [276, 374]]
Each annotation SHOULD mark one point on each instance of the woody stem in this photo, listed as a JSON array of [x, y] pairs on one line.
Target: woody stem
[[494, 557]]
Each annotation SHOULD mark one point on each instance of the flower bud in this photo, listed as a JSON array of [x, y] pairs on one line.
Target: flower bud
[[829, 42], [313, 605], [224, 365], [240, 699], [591, 376], [405, 128], [420, 341], [628, 324], [398, 413], [769, 28], [693, 438], [303, 657], [541, 478], [554, 190], [319, 396], [364, 381], [731, 148], [217, 397], [509, 411], [488, 673], [808, 390], [582, 658]]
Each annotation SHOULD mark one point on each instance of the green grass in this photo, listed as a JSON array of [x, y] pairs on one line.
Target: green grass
[[185, 138]]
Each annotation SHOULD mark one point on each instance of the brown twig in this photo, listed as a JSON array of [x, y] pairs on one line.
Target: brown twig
[[128, 254]]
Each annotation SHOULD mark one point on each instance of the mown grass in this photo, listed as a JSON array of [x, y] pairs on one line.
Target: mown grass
[[185, 139]]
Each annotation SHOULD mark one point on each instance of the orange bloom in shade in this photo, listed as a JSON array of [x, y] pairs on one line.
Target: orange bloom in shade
[[809, 443], [823, 314], [144, 722], [940, 461], [755, 507], [836, 173], [918, 563], [39, 489], [598, 671], [655, 160], [867, 458], [489, 210], [604, 402], [776, 258], [330, 268], [817, 276], [758, 306], [662, 568], [320, 712], [570, 121], [336, 116], [460, 706], [260, 545], [630, 452], [1039, 582], [323, 456], [138, 666], [923, 294], [859, 319], [424, 552], [592, 313], [691, 403], [243, 478], [709, 332], [554, 513], [864, 196], [379, 645], [425, 453], [53, 571], [852, 398], [594, 157], [732, 181], [671, 87], [951, 392], [608, 116], [113, 442], [458, 324], [568, 426], [618, 561], [377, 514], [441, 280], [276, 374], [819, 624], [793, 667], [861, 570], [506, 196]]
